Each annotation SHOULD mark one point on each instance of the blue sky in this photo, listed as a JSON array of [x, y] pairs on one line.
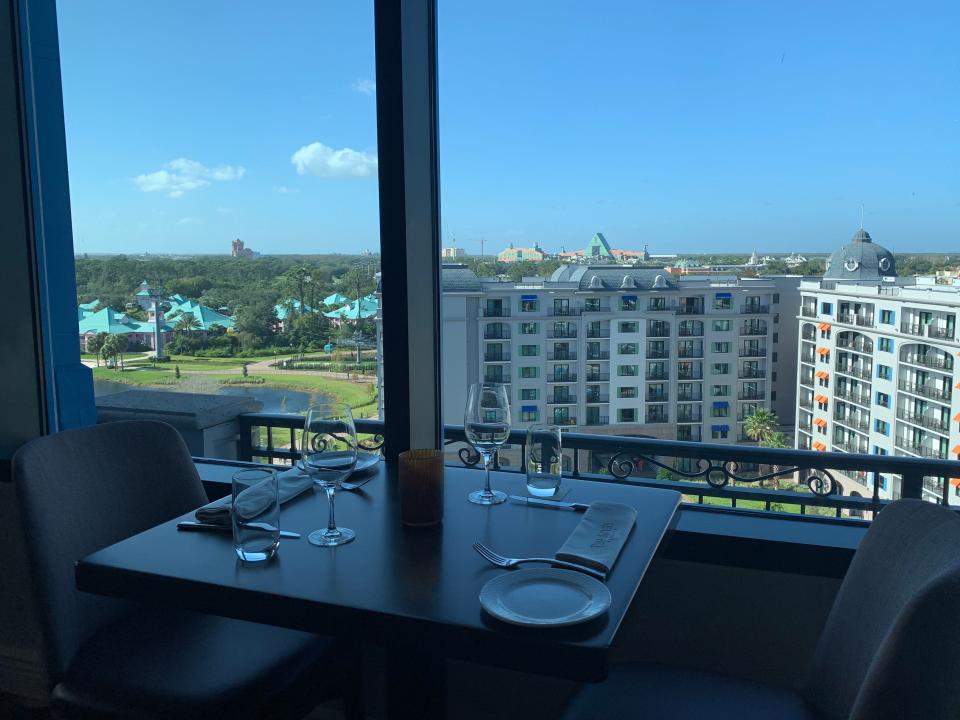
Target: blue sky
[[688, 126]]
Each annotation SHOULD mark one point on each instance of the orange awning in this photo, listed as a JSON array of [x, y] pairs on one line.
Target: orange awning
[[955, 482], [820, 422], [819, 446], [957, 417], [823, 350], [824, 326], [822, 374], [821, 398], [955, 450]]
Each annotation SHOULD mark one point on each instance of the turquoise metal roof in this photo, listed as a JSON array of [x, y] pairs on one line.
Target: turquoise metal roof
[[207, 317], [281, 309], [336, 299], [110, 321], [363, 309]]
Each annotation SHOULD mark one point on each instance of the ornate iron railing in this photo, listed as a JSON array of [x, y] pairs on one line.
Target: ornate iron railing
[[733, 473]]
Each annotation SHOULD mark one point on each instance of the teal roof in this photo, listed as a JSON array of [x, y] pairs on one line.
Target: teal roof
[[598, 247], [92, 305], [281, 309], [207, 317], [110, 321], [363, 309], [177, 299], [336, 299]]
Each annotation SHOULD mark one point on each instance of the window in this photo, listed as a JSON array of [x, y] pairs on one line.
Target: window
[[529, 305], [884, 372], [626, 392], [529, 394], [721, 347], [529, 372], [628, 302], [776, 298], [776, 318], [821, 427], [825, 333], [628, 348], [627, 370], [882, 427], [627, 415], [720, 391], [825, 356], [718, 433], [773, 396], [720, 369], [720, 409], [529, 415], [887, 317], [721, 325], [826, 308], [885, 344], [629, 326], [822, 402], [591, 305], [774, 357], [722, 303], [529, 328], [776, 338], [883, 400], [529, 350]]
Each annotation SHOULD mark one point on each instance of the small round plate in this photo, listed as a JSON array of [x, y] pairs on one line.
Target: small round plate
[[365, 461], [544, 597]]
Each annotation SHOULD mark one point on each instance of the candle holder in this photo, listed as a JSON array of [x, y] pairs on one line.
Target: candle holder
[[421, 487]]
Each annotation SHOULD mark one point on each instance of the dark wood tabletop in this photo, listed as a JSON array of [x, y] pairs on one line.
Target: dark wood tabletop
[[394, 585]]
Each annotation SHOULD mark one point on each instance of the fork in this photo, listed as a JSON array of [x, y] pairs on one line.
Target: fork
[[505, 562]]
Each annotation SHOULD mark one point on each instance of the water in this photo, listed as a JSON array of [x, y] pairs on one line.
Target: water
[[274, 399], [543, 485]]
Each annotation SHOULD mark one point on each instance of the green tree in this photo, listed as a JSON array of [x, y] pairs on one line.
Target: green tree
[[95, 345], [176, 371], [113, 347], [255, 321], [185, 323], [775, 439]]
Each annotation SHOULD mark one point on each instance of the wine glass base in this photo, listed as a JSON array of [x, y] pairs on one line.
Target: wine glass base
[[325, 539], [494, 497]]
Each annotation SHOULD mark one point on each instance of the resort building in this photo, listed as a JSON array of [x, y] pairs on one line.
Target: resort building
[[521, 254], [877, 358], [611, 348]]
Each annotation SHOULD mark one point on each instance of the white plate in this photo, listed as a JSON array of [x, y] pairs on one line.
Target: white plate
[[366, 461], [544, 597]]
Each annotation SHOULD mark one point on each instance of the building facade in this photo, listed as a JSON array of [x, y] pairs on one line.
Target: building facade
[[877, 356], [611, 348]]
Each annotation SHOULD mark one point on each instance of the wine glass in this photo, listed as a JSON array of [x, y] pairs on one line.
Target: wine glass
[[329, 452], [486, 423]]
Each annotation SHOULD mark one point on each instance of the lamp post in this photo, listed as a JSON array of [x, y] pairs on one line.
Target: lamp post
[[157, 295], [358, 334]]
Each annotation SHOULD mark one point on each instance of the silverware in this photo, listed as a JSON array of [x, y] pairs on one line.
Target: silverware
[[536, 502], [501, 561], [188, 525]]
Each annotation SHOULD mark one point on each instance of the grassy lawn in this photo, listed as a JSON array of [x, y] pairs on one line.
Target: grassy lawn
[[187, 362], [758, 505]]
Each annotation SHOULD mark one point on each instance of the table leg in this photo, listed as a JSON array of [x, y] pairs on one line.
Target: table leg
[[416, 684]]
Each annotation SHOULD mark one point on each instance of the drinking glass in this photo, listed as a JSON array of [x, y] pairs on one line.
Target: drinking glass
[[486, 422], [543, 460], [329, 452], [255, 514]]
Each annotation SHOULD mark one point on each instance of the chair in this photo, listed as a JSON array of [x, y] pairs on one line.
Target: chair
[[889, 650], [82, 490]]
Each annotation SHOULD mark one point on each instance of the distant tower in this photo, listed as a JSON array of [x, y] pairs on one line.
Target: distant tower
[[236, 248]]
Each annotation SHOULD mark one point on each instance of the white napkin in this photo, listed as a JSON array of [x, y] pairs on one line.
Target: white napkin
[[599, 536], [290, 483]]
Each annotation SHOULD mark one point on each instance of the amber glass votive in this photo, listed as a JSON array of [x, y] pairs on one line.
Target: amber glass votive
[[421, 487]]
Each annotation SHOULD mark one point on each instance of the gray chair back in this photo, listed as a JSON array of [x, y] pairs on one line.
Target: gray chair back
[[891, 644], [82, 490]]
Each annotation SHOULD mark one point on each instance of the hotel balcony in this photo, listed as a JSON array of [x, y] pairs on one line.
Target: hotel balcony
[[865, 373], [658, 331], [855, 319], [928, 391], [599, 420], [747, 373], [655, 418], [597, 332], [563, 311], [562, 332], [496, 357], [751, 329], [690, 309], [588, 308], [919, 449], [502, 379], [496, 332], [693, 353], [857, 396], [860, 344], [808, 311], [660, 354], [657, 397], [495, 312], [564, 421], [688, 397], [689, 417], [562, 400], [928, 422], [595, 398], [557, 377], [753, 352], [658, 375], [930, 331], [696, 331], [751, 395], [562, 355], [851, 446], [597, 377], [861, 424], [689, 374], [598, 355], [754, 309], [933, 359]]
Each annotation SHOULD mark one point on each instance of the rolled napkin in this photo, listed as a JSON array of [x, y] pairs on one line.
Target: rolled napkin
[[290, 483], [599, 536]]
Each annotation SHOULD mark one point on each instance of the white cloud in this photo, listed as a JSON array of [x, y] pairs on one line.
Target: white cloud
[[365, 87], [283, 189], [318, 159], [189, 221], [182, 175]]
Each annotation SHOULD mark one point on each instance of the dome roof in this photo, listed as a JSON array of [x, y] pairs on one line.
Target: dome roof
[[861, 259]]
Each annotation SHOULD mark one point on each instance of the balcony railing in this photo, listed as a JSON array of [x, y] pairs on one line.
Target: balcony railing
[[660, 307], [688, 397], [860, 372], [689, 353], [863, 425], [658, 354], [596, 308], [658, 397], [593, 398], [563, 311], [567, 377], [940, 333], [851, 447], [927, 391], [597, 377], [808, 311], [854, 319], [807, 358], [926, 421], [753, 352], [562, 400], [934, 362], [753, 330], [274, 437], [563, 355], [747, 372], [691, 332], [690, 375], [690, 310], [861, 398], [658, 332], [501, 379], [689, 417], [562, 332], [655, 418], [751, 395], [806, 403], [495, 311], [859, 346], [564, 421], [597, 332], [598, 355], [807, 381], [496, 357], [599, 420], [905, 444], [491, 333], [753, 309]]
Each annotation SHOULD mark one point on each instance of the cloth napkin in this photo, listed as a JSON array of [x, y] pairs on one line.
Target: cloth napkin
[[253, 500], [599, 536]]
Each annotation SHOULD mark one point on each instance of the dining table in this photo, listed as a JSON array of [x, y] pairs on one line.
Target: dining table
[[412, 590]]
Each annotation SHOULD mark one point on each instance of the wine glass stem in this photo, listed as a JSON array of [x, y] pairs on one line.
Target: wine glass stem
[[486, 470], [331, 519]]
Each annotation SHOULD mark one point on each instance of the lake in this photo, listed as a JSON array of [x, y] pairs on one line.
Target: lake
[[274, 399]]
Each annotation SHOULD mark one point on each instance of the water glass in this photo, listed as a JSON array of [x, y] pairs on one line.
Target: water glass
[[543, 460], [255, 514]]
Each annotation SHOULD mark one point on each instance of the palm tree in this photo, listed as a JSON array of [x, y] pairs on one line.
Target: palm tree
[[760, 425], [95, 345], [185, 323], [774, 440]]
